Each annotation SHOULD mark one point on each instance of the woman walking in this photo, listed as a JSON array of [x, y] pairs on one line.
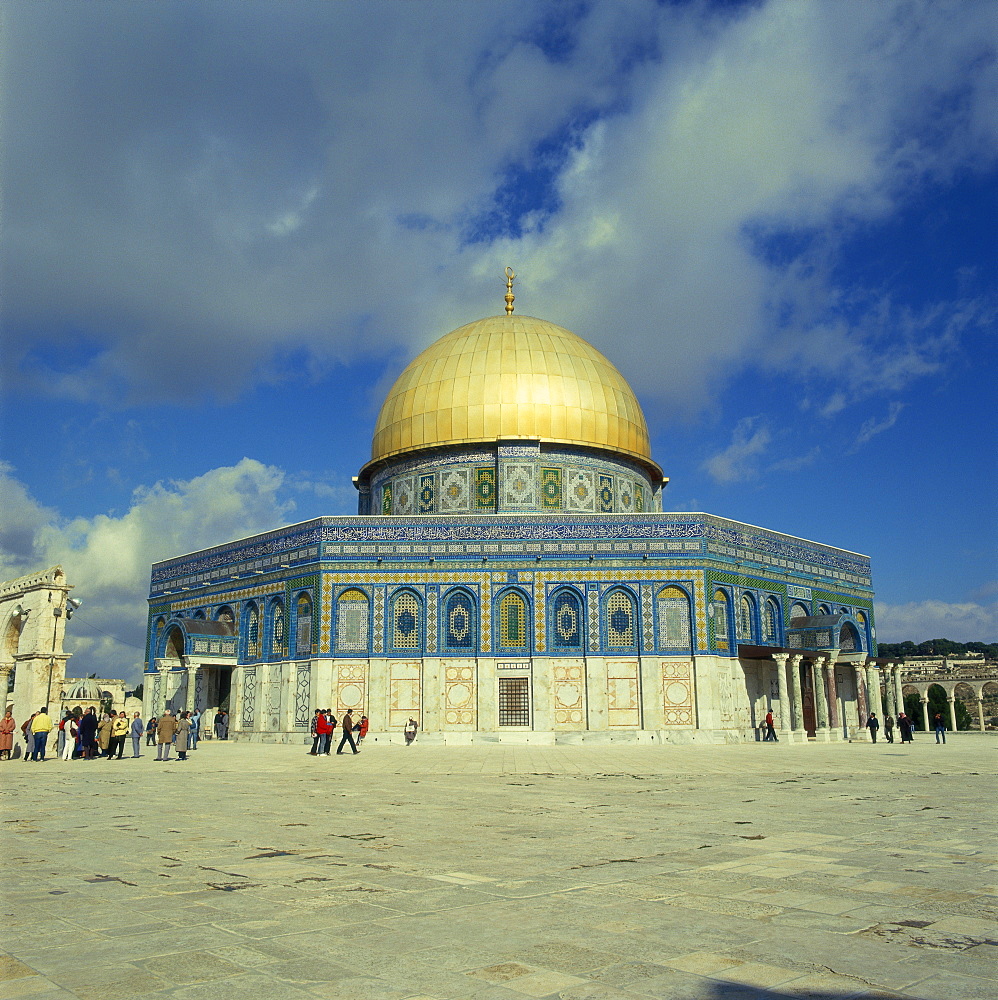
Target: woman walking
[[7, 727], [183, 735]]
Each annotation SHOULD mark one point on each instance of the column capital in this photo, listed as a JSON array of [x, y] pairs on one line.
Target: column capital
[[795, 659], [781, 658]]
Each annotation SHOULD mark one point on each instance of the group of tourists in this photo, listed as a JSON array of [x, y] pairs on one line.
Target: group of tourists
[[93, 736], [324, 724], [905, 728]]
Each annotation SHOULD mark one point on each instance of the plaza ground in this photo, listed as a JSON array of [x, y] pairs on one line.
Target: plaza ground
[[499, 873]]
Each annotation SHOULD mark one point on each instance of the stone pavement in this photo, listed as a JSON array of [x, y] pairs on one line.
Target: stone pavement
[[501, 873]]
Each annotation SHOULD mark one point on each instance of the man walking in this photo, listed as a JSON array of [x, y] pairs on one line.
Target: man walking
[[770, 730], [165, 731], [347, 725], [136, 731], [41, 726], [873, 724]]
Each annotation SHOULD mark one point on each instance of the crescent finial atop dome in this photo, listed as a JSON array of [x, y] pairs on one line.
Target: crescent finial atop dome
[[509, 290]]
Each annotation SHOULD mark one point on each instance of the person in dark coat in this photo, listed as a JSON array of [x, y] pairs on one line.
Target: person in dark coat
[[889, 728], [347, 725], [770, 729], [873, 724], [88, 734], [904, 728]]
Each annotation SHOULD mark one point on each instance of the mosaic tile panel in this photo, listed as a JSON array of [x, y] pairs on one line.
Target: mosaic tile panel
[[519, 485], [625, 496], [378, 645], [404, 499], [352, 622], [386, 498], [485, 488], [620, 625], [580, 490], [647, 617], [303, 695], [593, 599], [673, 618], [513, 621], [639, 498], [605, 498], [427, 494], [431, 621], [325, 624], [248, 715], [551, 489], [406, 614], [454, 491]]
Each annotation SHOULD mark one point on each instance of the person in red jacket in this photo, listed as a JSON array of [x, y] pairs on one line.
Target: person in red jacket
[[324, 730], [362, 730]]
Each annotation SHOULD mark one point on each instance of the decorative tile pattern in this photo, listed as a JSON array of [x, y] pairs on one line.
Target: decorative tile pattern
[[647, 618], [485, 489], [386, 498], [352, 621], [625, 496], [639, 498], [431, 620], [567, 625], [519, 485], [551, 489], [620, 624], [325, 626], [673, 618], [454, 491], [459, 621], [406, 614], [605, 495], [427, 494], [580, 492], [404, 501], [378, 645], [593, 599], [513, 621], [677, 692]]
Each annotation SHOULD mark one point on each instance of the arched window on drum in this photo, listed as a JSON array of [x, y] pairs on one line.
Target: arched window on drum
[[620, 621], [278, 631], [746, 619], [303, 626], [849, 641], [673, 606], [721, 607], [514, 625], [771, 622], [251, 619], [460, 632], [864, 626], [352, 622], [799, 611], [407, 619], [566, 624]]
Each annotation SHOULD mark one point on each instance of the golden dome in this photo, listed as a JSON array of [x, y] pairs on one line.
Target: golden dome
[[508, 377]]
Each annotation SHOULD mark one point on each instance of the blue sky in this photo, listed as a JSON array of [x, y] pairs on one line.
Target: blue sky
[[228, 226]]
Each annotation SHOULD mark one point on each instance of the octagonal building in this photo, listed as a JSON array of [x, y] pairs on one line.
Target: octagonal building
[[511, 576]]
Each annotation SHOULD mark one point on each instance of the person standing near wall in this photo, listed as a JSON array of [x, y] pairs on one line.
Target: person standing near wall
[[119, 733], [7, 727], [41, 726], [166, 729], [136, 730], [347, 725], [873, 724]]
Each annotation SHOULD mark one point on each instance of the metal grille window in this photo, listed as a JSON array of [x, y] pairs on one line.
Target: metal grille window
[[277, 641], [252, 633], [514, 701], [620, 620], [512, 621], [405, 622], [303, 635], [567, 615], [351, 622], [746, 612], [721, 615], [772, 620], [459, 622], [673, 619]]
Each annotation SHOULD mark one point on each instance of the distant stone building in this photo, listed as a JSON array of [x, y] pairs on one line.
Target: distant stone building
[[511, 575], [33, 614]]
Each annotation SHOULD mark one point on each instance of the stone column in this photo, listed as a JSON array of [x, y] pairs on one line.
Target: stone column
[[951, 698], [898, 687], [980, 710], [873, 692], [889, 690], [861, 707], [5, 669], [191, 685], [835, 722], [821, 698], [925, 711], [786, 725], [798, 706]]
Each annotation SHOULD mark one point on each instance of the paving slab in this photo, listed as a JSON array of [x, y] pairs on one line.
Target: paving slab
[[498, 873]]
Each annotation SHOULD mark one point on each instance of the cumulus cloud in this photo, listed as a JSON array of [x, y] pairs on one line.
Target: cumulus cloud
[[108, 558], [182, 222], [922, 620], [739, 461]]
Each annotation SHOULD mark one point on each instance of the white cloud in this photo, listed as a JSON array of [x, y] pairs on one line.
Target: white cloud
[[261, 199], [872, 427], [740, 460], [922, 620], [108, 558]]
